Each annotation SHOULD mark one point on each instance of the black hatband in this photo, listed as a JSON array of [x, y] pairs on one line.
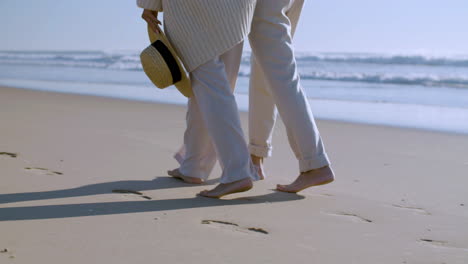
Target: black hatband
[[169, 59]]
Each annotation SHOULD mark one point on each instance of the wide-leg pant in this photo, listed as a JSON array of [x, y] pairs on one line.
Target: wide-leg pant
[[275, 86], [213, 124]]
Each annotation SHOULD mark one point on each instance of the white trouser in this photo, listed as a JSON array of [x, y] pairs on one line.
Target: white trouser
[[213, 123], [275, 81]]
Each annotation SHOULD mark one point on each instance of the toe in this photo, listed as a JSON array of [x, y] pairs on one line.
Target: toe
[[284, 188], [280, 187]]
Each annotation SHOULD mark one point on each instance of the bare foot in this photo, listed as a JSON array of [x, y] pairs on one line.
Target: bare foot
[[308, 179], [178, 175], [258, 163], [228, 188]]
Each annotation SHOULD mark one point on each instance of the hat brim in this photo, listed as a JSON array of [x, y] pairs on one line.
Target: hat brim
[[184, 85]]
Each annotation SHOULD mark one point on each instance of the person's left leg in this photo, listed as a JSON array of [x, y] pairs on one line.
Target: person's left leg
[[218, 108], [197, 155], [262, 108], [262, 117], [271, 43]]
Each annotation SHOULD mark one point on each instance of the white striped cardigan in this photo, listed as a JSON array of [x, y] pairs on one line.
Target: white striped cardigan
[[200, 30]]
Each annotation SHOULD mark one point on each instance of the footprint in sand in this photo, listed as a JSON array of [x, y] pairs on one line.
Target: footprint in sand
[[43, 171], [434, 242], [442, 243], [258, 230], [132, 192], [352, 216], [234, 227], [10, 154], [7, 251], [414, 209]]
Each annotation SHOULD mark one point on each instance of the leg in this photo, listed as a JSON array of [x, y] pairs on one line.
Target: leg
[[262, 108], [232, 60], [218, 109], [277, 62], [197, 156], [262, 118]]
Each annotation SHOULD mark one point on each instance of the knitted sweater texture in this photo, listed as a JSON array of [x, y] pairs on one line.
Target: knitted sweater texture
[[200, 30]]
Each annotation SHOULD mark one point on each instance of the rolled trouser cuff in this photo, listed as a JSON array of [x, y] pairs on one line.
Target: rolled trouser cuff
[[315, 163], [260, 151]]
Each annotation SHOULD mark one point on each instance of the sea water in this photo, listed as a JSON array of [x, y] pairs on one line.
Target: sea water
[[415, 90]]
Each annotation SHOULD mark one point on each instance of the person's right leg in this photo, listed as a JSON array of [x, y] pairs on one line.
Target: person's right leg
[[271, 44], [262, 109]]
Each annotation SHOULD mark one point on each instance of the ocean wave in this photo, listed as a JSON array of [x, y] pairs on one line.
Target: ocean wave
[[397, 59], [424, 80], [101, 60], [66, 57], [374, 58], [402, 79], [130, 61], [304, 57]]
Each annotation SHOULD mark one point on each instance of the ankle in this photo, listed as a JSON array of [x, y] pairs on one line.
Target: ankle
[[249, 182], [256, 160], [324, 168]]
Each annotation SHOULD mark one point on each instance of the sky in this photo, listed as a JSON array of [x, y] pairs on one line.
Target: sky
[[390, 26]]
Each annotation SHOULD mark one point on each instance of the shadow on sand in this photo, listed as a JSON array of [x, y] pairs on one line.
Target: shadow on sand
[[99, 188], [110, 208]]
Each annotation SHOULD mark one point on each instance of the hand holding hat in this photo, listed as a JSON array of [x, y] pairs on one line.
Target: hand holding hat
[[161, 63], [151, 17]]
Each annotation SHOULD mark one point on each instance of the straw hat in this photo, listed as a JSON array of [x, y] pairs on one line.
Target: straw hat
[[162, 65]]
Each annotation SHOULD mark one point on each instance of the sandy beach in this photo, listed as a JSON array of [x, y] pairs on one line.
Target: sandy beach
[[83, 180]]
